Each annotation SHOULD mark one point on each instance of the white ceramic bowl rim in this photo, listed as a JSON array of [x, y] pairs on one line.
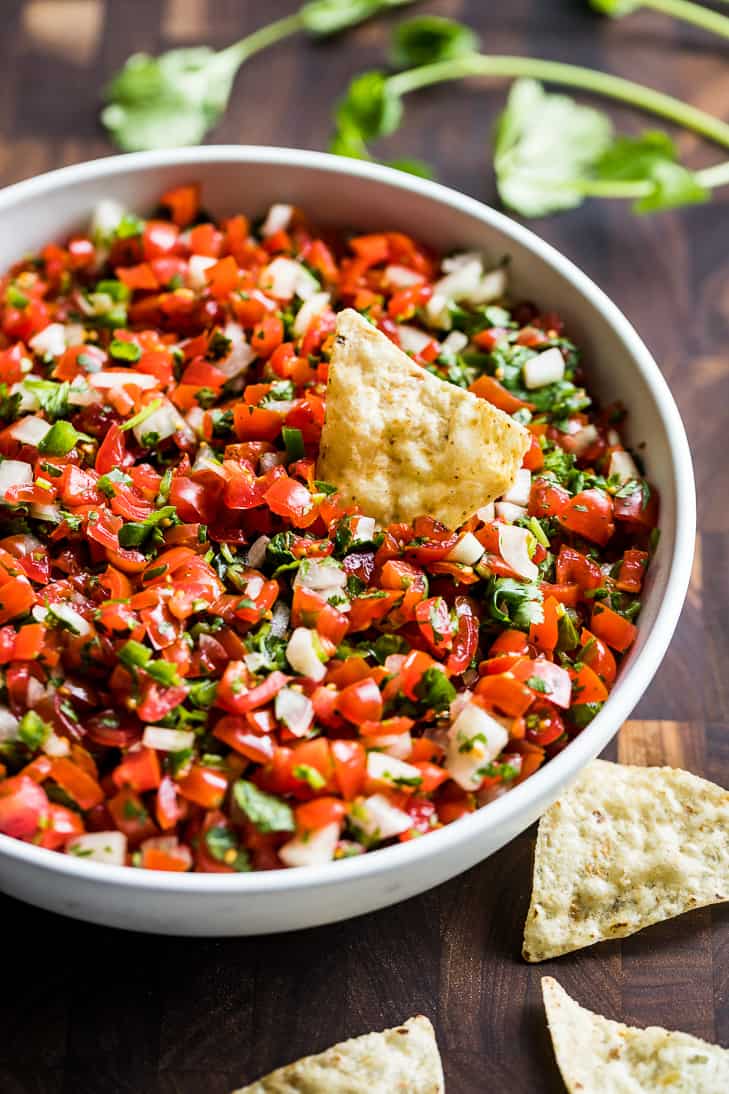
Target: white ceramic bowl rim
[[632, 681]]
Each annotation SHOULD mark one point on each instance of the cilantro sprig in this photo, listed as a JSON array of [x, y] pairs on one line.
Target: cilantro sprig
[[685, 10], [176, 98], [550, 153]]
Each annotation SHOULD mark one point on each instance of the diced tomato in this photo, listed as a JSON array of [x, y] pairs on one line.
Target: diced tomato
[[590, 514], [319, 813], [598, 656], [23, 806], [205, 786], [360, 702], [77, 783], [350, 764], [614, 629], [632, 569], [139, 769]]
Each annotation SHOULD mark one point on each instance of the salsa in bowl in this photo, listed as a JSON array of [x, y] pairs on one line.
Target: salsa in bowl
[[213, 661]]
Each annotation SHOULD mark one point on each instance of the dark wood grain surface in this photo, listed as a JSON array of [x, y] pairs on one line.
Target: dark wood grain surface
[[92, 1010]]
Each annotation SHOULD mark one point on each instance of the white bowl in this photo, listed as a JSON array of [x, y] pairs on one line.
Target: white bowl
[[366, 196]]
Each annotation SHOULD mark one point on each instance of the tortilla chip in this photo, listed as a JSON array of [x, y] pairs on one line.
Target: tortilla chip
[[623, 848], [404, 1060], [598, 1056], [400, 443]]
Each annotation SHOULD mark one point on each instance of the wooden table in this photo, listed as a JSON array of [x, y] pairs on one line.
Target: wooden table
[[94, 1010]]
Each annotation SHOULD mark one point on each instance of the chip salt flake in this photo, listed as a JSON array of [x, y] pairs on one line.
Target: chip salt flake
[[399, 442], [403, 1060], [598, 1056], [623, 848]]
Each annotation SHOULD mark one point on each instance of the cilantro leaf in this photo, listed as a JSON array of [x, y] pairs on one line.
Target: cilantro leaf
[[651, 157], [369, 109], [418, 168], [430, 38], [435, 689], [52, 397], [615, 8], [322, 17], [265, 811], [176, 98], [514, 603], [545, 144]]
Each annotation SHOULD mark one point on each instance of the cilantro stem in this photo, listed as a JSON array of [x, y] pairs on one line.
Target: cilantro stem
[[691, 13], [601, 83], [264, 37], [713, 177]]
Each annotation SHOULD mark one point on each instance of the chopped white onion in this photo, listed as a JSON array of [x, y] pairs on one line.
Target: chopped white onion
[[321, 573], [277, 219], [241, 355], [401, 277], [168, 740], [51, 512], [106, 218], [391, 771], [362, 529], [475, 739], [108, 847], [67, 615], [520, 489], [285, 278], [257, 552], [461, 700], [14, 473], [205, 460], [545, 368], [302, 653], [467, 550], [513, 546], [581, 441], [52, 340], [623, 465], [311, 849], [379, 820], [108, 379], [508, 512], [80, 394], [195, 419], [8, 725], [30, 430], [271, 459], [486, 513], [28, 397], [163, 422], [454, 342], [398, 745], [309, 311], [280, 615], [56, 747], [413, 339], [457, 261], [254, 661], [74, 333], [295, 710], [492, 286], [197, 268]]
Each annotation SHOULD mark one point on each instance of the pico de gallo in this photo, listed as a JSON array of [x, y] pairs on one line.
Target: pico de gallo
[[207, 662]]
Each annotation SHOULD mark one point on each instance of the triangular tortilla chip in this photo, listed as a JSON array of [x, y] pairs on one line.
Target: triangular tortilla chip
[[401, 443], [623, 848], [598, 1056], [404, 1060]]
